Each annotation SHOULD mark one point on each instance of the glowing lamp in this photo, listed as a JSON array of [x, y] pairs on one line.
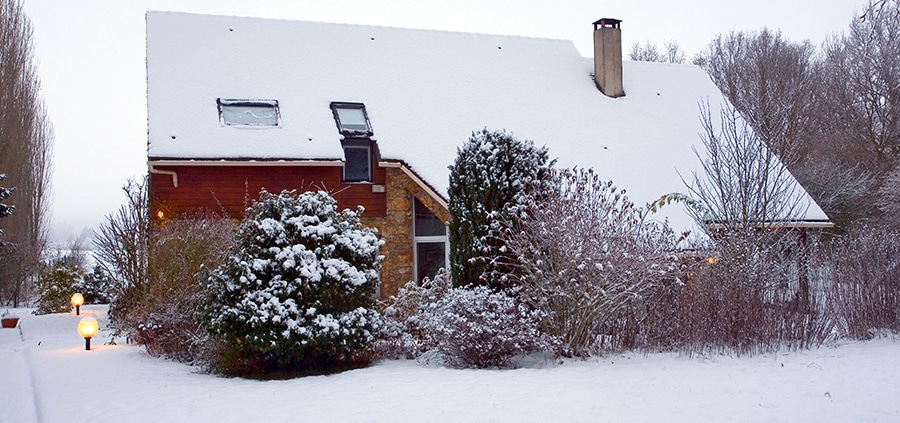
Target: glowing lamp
[[87, 328], [77, 300], [712, 260]]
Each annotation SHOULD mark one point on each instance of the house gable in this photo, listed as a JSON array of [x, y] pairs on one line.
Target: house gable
[[424, 92]]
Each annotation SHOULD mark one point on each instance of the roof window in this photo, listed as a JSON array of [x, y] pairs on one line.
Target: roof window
[[351, 119], [358, 162], [236, 112]]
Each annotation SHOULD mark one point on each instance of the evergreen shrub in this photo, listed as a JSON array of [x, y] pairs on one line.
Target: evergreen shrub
[[492, 179], [55, 287], [296, 293]]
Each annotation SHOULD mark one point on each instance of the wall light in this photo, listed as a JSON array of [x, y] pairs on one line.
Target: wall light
[[77, 300], [87, 328]]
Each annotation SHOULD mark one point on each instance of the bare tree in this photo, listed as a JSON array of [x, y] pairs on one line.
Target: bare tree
[[769, 80], [861, 99], [822, 115], [743, 185], [26, 140], [863, 67], [878, 6], [748, 202], [671, 53], [889, 197], [122, 247]]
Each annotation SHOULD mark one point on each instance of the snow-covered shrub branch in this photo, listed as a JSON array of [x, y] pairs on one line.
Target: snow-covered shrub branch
[[888, 201], [166, 315], [297, 291], [467, 327], [864, 274], [401, 335], [584, 254], [477, 327], [742, 296]]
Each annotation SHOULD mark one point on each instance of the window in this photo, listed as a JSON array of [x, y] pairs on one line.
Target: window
[[358, 162], [351, 119], [248, 112], [430, 259], [431, 245]]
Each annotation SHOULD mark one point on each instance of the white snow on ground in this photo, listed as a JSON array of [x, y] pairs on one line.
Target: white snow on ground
[[47, 376]]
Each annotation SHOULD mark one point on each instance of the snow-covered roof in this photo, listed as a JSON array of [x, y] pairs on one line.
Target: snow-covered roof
[[425, 93]]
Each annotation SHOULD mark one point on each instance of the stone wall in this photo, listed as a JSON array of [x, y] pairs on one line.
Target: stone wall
[[396, 229]]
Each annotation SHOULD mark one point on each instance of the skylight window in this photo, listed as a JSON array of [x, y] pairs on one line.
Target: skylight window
[[352, 119], [234, 112]]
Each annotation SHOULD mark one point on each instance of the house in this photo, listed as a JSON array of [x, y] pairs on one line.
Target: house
[[375, 115]]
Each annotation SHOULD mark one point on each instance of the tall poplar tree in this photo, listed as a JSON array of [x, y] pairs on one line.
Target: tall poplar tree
[[26, 139]]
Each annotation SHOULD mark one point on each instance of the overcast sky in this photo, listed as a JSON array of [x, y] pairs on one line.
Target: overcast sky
[[91, 61]]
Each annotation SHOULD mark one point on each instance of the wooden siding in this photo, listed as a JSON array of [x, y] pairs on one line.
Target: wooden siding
[[231, 188]]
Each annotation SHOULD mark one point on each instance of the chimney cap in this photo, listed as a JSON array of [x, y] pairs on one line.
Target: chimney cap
[[607, 22]]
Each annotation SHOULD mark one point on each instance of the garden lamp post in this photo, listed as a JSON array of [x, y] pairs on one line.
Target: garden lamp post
[[87, 328], [77, 300]]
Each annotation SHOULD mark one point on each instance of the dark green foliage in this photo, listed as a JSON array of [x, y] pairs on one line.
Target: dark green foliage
[[5, 210], [493, 179], [55, 288], [296, 294], [95, 286]]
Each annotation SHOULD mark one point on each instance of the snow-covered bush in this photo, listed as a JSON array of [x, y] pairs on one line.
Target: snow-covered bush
[[740, 296], [401, 335], [758, 296], [297, 292], [493, 176], [165, 315], [55, 287], [477, 327], [864, 281], [96, 286], [465, 327], [584, 255]]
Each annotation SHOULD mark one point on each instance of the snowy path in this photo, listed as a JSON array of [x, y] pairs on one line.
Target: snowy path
[[57, 381], [17, 401]]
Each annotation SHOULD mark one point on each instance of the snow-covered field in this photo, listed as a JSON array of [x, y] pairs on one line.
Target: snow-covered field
[[47, 376]]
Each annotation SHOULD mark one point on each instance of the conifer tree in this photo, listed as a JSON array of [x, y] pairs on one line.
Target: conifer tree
[[494, 177], [297, 292], [5, 210]]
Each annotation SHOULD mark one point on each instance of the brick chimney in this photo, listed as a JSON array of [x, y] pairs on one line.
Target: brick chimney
[[608, 57]]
